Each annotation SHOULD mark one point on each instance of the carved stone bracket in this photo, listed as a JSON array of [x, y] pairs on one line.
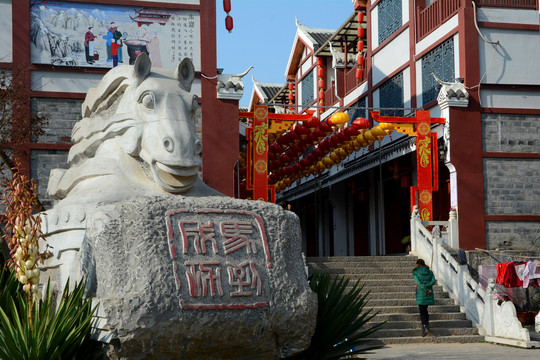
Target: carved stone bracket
[[231, 87]]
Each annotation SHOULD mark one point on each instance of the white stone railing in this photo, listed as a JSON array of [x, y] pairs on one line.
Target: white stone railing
[[498, 323]]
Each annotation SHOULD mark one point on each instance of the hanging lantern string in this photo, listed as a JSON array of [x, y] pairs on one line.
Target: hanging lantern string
[[342, 107]]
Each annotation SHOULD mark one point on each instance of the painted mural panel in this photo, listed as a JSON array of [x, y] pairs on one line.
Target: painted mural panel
[[97, 35]]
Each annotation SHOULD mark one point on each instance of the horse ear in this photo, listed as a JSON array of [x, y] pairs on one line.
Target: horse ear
[[185, 73], [142, 66]]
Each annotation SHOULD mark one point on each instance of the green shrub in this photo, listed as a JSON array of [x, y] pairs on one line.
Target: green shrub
[[48, 331], [339, 332]]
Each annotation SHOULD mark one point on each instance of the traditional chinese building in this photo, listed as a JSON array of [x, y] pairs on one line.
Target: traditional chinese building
[[471, 64], [44, 42]]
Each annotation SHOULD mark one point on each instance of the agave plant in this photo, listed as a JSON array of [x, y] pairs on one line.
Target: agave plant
[[45, 331], [340, 330]]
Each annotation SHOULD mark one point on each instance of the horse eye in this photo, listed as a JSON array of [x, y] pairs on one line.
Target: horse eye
[[148, 101]]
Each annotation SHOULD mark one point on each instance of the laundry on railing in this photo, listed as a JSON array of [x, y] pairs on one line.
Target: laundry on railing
[[518, 273]]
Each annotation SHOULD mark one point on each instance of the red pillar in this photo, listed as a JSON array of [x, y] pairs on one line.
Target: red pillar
[[219, 117]]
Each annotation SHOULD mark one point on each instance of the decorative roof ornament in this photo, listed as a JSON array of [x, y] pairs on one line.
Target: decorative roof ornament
[[338, 59], [231, 87], [452, 94]]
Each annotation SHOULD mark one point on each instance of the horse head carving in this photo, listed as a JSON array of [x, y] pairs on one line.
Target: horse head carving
[[137, 134]]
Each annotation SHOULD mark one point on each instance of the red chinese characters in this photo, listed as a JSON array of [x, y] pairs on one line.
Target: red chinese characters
[[224, 261]]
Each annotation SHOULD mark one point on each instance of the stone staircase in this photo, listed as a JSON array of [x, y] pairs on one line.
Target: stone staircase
[[392, 295]]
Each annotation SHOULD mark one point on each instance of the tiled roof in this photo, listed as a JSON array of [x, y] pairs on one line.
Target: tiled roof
[[319, 36], [270, 90]]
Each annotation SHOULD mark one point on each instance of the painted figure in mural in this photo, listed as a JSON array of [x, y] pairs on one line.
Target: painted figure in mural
[[108, 37], [89, 45], [143, 35], [153, 49], [118, 36], [115, 45]]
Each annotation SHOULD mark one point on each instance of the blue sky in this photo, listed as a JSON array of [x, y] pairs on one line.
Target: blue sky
[[263, 35]]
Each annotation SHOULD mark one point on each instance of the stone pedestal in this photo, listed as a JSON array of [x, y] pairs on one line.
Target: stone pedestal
[[198, 278]]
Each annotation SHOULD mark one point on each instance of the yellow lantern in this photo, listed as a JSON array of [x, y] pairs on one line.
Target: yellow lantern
[[339, 119], [387, 127], [368, 136], [378, 132], [335, 157], [320, 166], [342, 153], [328, 163]]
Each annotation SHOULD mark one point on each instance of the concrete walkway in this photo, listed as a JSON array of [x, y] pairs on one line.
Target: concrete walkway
[[476, 351]]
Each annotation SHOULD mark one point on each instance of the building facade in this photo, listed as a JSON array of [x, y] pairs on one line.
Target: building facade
[[471, 63]]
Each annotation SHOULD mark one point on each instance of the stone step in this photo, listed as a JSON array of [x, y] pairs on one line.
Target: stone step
[[362, 259], [375, 302], [394, 333], [392, 318], [428, 339], [433, 309], [416, 324], [399, 293]]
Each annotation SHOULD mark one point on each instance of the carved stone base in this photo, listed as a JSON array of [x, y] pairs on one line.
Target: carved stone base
[[198, 278]]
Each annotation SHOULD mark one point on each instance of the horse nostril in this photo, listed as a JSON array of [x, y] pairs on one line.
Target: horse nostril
[[198, 147], [168, 144]]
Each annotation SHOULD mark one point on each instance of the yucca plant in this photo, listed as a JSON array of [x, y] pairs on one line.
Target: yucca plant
[[339, 332], [46, 331]]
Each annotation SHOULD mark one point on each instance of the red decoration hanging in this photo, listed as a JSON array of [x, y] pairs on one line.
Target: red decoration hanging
[[321, 83], [319, 61], [291, 86], [359, 73], [360, 17], [320, 72], [360, 32], [361, 60], [291, 96], [360, 46], [227, 6], [229, 23]]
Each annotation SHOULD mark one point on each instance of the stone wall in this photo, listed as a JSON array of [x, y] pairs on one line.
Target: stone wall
[[41, 164], [511, 133], [62, 115], [511, 185]]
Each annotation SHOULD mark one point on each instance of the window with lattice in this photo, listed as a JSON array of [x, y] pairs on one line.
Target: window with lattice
[[391, 96], [439, 61], [308, 90], [389, 17], [358, 110]]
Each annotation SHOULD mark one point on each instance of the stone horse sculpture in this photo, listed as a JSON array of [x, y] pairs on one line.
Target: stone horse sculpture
[[179, 270], [137, 135]]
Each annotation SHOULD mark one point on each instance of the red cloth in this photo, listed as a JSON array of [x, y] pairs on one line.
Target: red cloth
[[507, 275], [114, 48], [88, 37]]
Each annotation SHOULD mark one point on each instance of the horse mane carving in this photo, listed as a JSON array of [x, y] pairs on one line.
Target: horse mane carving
[[137, 135]]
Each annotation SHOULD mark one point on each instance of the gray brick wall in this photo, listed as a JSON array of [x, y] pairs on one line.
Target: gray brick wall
[[522, 235], [511, 133], [512, 186], [42, 162], [62, 115]]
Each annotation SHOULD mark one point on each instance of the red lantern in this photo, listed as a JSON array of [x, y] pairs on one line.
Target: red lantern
[[360, 32], [361, 123], [320, 72], [360, 17], [318, 134], [305, 163], [285, 159], [321, 84], [317, 153], [227, 6], [301, 130], [321, 95], [325, 127], [291, 86], [275, 147], [291, 96], [359, 73], [360, 46], [229, 23], [319, 61], [360, 60], [313, 123], [351, 132]]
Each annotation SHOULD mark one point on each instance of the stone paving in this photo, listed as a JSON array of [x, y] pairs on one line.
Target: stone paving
[[477, 351]]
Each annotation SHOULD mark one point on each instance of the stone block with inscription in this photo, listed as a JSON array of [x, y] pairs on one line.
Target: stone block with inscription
[[198, 278]]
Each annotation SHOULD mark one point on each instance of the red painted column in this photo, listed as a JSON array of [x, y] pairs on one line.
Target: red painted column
[[21, 69], [466, 141], [219, 117]]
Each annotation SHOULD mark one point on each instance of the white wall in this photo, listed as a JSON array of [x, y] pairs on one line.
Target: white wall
[[6, 35], [513, 99], [391, 57], [515, 61]]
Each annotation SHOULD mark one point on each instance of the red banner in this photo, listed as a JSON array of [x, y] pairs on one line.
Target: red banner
[[423, 165], [260, 153]]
